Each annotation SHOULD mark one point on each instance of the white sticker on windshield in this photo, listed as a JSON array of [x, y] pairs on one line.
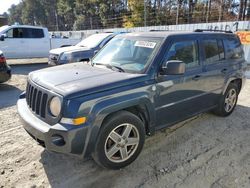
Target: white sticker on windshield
[[145, 44]]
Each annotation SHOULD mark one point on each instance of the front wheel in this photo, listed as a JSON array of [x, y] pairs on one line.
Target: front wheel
[[120, 140], [228, 101]]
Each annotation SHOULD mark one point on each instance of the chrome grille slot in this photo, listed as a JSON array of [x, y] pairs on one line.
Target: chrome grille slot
[[33, 104], [31, 96], [36, 100], [43, 106]]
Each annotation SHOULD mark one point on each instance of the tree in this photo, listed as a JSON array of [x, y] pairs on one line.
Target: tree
[[65, 11], [15, 14], [97, 14], [136, 13], [33, 13]]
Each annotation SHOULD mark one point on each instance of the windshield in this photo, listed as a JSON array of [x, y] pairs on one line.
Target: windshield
[[93, 40], [3, 28], [132, 55]]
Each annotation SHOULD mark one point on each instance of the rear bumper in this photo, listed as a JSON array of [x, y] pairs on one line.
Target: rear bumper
[[59, 138], [5, 74]]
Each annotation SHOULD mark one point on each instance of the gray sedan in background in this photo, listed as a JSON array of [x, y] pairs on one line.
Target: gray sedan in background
[[83, 51]]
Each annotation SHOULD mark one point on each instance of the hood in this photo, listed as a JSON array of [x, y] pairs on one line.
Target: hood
[[58, 51], [79, 79]]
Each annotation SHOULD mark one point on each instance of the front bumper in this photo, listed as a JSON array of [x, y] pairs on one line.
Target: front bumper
[[59, 137], [51, 63]]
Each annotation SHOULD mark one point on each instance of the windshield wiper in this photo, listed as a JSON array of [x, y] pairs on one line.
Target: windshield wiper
[[110, 66]]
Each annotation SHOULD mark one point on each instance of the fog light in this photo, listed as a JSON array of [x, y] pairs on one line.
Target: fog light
[[58, 140]]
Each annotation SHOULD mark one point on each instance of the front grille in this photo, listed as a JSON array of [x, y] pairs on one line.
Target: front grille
[[36, 99]]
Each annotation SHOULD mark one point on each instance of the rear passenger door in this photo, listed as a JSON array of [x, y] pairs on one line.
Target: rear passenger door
[[215, 67]]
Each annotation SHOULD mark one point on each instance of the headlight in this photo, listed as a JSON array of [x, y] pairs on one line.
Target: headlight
[[55, 106], [65, 56]]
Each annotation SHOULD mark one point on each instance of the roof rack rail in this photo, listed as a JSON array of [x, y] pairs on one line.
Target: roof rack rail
[[212, 30], [155, 30]]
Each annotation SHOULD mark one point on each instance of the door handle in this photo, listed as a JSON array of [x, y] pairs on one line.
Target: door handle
[[224, 71], [196, 78]]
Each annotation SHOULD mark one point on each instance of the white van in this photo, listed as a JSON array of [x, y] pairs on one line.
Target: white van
[[23, 41]]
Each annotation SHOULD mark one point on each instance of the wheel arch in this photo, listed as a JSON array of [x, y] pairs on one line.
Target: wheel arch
[[234, 80], [141, 106]]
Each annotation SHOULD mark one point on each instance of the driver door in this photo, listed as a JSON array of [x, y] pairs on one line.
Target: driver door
[[180, 96], [15, 45]]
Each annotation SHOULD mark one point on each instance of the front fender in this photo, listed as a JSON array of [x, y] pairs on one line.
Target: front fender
[[109, 105]]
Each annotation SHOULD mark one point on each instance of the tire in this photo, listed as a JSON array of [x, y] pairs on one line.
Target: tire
[[226, 103], [116, 148]]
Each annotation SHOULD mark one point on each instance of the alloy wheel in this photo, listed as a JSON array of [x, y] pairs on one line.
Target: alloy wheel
[[230, 100], [121, 143]]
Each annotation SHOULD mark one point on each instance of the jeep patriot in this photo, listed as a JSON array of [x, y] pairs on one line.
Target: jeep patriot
[[137, 84]]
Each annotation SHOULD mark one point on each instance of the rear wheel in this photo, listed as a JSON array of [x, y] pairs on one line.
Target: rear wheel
[[228, 101], [120, 141]]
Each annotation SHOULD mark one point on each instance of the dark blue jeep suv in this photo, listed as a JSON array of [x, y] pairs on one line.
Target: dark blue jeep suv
[[137, 84]]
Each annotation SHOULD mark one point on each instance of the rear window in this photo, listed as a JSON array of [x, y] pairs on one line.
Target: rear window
[[233, 48], [214, 51]]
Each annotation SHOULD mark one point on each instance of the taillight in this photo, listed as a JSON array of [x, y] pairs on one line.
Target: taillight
[[2, 59]]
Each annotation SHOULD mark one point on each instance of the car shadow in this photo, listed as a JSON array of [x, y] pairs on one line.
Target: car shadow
[[66, 171], [8, 95]]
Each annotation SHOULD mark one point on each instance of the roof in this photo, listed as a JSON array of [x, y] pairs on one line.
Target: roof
[[165, 34], [27, 26]]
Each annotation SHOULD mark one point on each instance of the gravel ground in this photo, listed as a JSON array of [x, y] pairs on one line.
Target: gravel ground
[[205, 151]]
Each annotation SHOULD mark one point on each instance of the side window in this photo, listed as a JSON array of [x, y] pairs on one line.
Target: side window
[[17, 33], [9, 33], [185, 51], [25, 33], [37, 33], [214, 51], [234, 49], [221, 50]]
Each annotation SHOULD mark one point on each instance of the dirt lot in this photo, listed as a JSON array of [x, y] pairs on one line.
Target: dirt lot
[[205, 151]]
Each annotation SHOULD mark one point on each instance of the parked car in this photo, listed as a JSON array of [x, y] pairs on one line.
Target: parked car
[[23, 41], [138, 83], [5, 70], [83, 51]]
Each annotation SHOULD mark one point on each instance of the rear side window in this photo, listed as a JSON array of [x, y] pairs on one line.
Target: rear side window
[[37, 33], [233, 48], [214, 51], [185, 51]]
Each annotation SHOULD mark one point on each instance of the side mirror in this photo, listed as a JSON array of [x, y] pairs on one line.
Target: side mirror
[[173, 67], [2, 37]]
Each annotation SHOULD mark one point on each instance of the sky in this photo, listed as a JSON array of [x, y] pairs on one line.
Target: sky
[[6, 4]]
